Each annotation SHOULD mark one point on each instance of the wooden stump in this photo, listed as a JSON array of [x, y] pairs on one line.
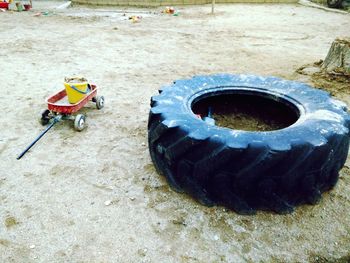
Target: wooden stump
[[338, 57]]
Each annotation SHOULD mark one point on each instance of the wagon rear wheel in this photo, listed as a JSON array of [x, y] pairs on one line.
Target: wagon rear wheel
[[100, 102]]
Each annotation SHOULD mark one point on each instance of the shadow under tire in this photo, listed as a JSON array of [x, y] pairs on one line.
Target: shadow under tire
[[249, 170]]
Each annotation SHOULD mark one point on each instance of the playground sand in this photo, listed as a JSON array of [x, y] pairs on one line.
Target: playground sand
[[94, 196]]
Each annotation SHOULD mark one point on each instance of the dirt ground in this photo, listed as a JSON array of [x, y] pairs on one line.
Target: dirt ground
[[95, 196]]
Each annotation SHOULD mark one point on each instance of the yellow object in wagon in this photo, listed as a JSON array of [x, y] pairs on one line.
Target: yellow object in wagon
[[76, 91]]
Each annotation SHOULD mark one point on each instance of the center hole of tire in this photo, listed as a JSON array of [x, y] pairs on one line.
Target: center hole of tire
[[247, 112]]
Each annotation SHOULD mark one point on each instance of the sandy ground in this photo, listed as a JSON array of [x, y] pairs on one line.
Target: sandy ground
[[95, 196]]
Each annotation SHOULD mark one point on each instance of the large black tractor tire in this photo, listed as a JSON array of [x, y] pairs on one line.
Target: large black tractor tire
[[244, 170]]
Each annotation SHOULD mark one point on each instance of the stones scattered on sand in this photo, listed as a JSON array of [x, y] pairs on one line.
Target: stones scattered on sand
[[10, 221], [108, 202]]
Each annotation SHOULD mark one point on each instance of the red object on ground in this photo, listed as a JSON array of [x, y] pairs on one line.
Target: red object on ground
[[27, 7], [4, 5], [58, 104]]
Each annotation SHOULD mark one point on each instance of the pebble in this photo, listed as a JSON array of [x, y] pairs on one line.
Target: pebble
[[108, 202], [32, 246], [143, 144], [132, 198], [216, 237]]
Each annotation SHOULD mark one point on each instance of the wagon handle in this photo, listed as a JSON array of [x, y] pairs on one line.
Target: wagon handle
[[55, 120]]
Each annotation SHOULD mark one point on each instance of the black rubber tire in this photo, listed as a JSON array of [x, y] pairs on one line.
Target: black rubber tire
[[334, 3], [100, 102], [79, 122], [246, 171], [45, 118]]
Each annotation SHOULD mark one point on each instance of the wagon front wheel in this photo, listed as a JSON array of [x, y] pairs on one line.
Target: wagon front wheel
[[45, 118], [79, 122], [100, 102]]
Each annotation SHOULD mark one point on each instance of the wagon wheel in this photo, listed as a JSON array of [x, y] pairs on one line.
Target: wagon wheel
[[45, 117], [79, 122], [100, 102]]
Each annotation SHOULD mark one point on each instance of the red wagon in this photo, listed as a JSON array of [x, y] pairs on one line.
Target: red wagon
[[58, 104], [59, 108]]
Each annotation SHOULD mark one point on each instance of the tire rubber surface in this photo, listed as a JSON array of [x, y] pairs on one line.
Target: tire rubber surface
[[243, 170]]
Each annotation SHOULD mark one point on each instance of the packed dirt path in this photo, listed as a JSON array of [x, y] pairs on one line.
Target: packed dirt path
[[95, 196]]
